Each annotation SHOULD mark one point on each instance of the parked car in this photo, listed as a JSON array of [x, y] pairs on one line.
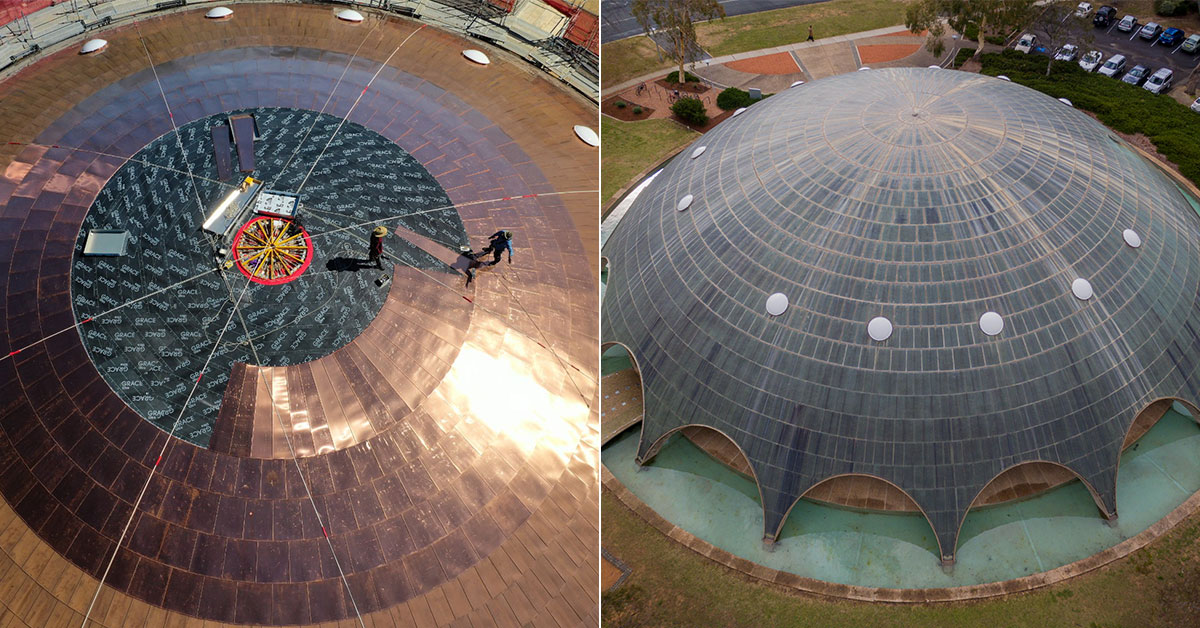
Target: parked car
[[1137, 75], [1026, 43], [1105, 16], [1083, 9], [1066, 53], [1114, 66], [1127, 24], [1160, 81], [1196, 105], [1191, 44], [1170, 37], [1091, 61], [1150, 31]]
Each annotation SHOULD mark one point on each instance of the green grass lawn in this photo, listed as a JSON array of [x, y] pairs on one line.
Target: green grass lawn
[[632, 57], [629, 58], [788, 26], [631, 147], [673, 586]]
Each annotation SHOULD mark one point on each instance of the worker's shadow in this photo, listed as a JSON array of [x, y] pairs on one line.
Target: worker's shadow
[[354, 264], [465, 262], [349, 264]]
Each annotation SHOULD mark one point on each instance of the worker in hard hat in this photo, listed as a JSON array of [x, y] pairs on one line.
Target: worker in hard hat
[[376, 251]]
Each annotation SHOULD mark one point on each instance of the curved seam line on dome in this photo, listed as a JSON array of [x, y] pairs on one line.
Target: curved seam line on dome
[[1092, 219], [1112, 367], [992, 255], [829, 210], [1033, 332], [818, 384]]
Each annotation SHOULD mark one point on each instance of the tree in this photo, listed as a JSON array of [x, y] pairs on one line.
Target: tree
[[1057, 23], [673, 19], [990, 17]]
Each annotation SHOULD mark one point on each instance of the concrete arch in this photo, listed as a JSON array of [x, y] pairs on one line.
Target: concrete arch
[[891, 486], [655, 446], [1143, 421], [606, 274], [1006, 475], [1150, 415], [1146, 418], [606, 436]]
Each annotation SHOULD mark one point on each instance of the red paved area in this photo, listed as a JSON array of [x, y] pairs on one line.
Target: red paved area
[[882, 53], [778, 63]]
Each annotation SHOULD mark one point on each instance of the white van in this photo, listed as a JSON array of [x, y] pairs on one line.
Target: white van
[[1026, 43], [1160, 81], [1114, 66]]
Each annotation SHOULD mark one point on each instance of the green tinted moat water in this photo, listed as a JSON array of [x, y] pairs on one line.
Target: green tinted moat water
[[706, 498]]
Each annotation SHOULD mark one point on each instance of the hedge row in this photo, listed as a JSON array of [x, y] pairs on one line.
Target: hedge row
[[1174, 129]]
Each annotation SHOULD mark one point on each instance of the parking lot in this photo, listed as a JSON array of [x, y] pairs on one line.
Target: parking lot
[[1111, 41]]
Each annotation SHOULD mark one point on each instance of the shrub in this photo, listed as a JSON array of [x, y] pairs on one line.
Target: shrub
[[637, 111], [963, 55], [674, 77], [620, 104], [733, 98], [1173, 7], [690, 110]]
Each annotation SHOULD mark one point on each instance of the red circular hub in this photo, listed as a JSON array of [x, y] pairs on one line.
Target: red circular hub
[[272, 251]]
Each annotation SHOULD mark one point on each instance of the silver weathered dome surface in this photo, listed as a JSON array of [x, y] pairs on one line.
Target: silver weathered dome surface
[[929, 197]]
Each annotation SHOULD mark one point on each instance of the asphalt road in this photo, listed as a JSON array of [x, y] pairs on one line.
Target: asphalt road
[[1137, 51], [616, 16]]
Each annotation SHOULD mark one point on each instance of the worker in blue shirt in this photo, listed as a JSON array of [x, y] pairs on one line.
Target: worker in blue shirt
[[496, 244]]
